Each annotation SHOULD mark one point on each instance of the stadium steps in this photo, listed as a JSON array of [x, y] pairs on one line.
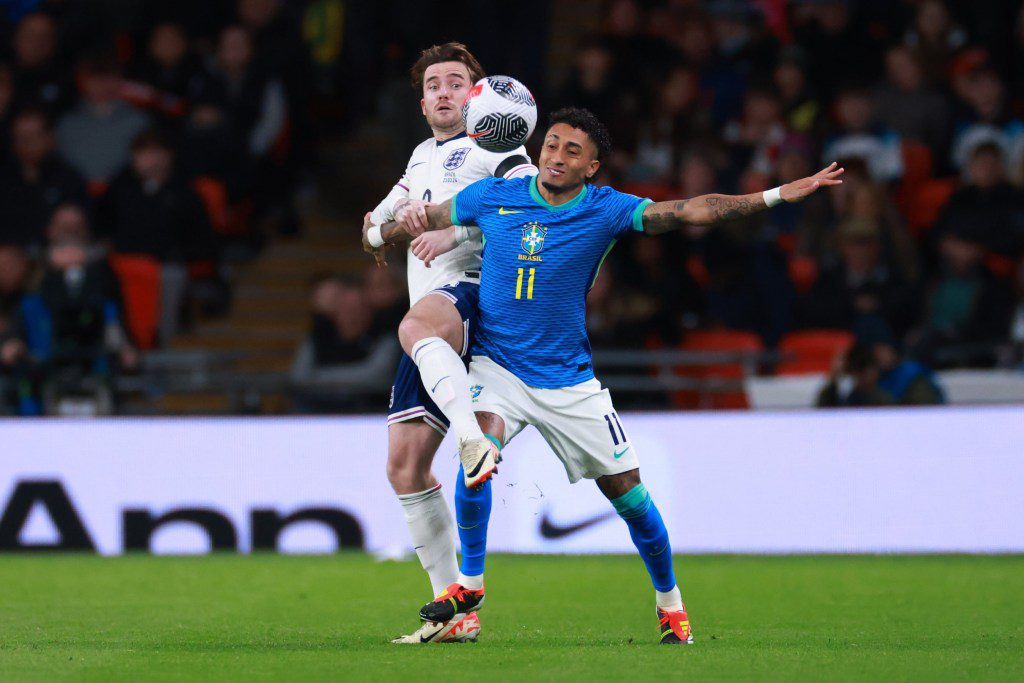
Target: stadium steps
[[269, 314]]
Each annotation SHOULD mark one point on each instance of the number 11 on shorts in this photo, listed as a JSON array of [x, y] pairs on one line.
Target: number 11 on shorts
[[529, 284]]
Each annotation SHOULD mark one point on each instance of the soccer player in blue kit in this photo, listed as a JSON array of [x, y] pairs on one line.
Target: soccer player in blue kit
[[545, 238]]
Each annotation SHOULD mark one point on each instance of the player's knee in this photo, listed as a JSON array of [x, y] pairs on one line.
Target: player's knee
[[617, 485], [411, 330]]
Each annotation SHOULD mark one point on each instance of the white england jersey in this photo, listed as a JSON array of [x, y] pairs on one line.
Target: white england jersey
[[436, 172]]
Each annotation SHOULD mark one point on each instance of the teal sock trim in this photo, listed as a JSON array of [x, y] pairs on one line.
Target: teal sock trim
[[494, 440], [634, 503]]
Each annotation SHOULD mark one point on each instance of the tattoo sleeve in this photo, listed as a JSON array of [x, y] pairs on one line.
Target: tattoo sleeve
[[703, 210]]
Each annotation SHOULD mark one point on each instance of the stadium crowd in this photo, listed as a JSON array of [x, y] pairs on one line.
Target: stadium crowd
[[920, 251], [138, 153]]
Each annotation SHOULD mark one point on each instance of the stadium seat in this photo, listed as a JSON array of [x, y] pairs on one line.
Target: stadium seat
[[803, 273], [716, 340], [921, 208], [811, 351], [918, 164], [214, 195], [139, 276]]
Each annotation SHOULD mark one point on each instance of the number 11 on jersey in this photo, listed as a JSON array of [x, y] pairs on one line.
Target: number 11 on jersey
[[529, 284]]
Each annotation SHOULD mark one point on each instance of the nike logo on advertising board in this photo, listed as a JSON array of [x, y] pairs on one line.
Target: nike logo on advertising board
[[549, 529]]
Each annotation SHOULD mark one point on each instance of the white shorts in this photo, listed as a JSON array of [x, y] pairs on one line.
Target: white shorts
[[578, 422]]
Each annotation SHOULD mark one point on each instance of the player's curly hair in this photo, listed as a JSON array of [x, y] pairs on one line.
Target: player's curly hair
[[447, 52], [584, 119]]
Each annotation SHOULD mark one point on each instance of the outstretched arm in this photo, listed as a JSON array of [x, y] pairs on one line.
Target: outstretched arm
[[709, 209]]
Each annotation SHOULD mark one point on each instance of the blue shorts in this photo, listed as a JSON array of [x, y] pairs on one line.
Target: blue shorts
[[409, 400]]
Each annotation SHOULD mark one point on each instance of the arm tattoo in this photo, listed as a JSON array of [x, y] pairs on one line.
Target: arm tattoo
[[726, 208], [664, 220]]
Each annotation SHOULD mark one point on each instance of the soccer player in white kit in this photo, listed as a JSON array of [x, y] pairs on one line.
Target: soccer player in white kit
[[436, 331]]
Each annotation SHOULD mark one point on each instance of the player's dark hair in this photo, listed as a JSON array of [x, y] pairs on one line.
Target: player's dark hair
[[584, 119], [447, 52]]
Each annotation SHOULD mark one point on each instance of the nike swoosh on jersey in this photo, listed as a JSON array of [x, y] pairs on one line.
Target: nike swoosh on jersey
[[418, 163], [502, 211], [549, 529], [619, 454]]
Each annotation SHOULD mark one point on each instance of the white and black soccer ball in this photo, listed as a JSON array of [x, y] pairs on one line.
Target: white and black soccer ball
[[500, 113]]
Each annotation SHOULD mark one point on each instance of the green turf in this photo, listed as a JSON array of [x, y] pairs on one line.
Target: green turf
[[570, 618]]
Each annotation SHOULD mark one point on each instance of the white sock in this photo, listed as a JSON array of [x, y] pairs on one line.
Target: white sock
[[672, 601], [445, 377], [432, 530], [471, 582]]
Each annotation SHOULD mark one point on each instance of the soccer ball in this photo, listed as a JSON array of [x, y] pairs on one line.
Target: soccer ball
[[499, 113]]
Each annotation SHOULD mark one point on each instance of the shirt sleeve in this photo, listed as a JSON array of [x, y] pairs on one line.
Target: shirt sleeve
[[385, 211], [467, 204], [624, 212]]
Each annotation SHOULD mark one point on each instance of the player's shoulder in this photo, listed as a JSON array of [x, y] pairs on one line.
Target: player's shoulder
[[421, 152]]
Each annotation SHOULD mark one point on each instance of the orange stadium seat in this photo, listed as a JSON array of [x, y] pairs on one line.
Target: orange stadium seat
[[803, 273], [811, 351], [139, 276], [918, 163], [716, 340], [214, 196], [922, 205]]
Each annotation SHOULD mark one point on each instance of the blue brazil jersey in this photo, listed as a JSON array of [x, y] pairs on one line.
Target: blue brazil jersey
[[539, 261]]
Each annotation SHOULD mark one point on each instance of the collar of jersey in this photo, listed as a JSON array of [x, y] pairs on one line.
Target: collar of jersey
[[460, 135], [535, 193]]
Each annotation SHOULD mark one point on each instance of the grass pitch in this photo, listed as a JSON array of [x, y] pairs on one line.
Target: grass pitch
[[270, 617]]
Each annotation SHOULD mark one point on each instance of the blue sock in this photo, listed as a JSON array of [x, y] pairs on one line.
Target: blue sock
[[649, 535], [473, 512]]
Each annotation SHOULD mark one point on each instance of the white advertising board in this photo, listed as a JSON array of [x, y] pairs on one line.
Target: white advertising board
[[921, 480]]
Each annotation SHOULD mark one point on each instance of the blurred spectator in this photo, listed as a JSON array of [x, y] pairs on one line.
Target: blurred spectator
[[801, 107], [844, 54], [95, 136], [758, 131], [859, 138], [386, 298], [907, 381], [254, 106], [988, 119], [74, 329], [253, 101], [35, 181], [908, 105], [862, 284], [149, 209], [936, 38], [41, 77], [857, 197], [15, 272], [591, 83], [665, 128], [168, 75], [341, 363], [967, 310], [987, 203], [854, 381]]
